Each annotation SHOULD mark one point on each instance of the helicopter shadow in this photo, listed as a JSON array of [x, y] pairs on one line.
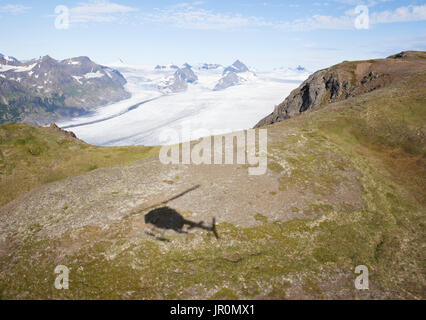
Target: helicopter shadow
[[166, 218]]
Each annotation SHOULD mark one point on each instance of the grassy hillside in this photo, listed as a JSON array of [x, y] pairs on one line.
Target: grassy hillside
[[344, 187], [31, 156]]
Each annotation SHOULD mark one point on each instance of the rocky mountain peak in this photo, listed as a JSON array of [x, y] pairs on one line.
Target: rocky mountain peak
[[181, 78], [240, 66], [237, 67], [47, 58]]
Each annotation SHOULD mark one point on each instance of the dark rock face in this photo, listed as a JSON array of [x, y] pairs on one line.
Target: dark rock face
[[52, 86], [307, 96], [342, 81]]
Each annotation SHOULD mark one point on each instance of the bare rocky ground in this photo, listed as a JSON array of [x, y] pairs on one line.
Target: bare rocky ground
[[344, 187]]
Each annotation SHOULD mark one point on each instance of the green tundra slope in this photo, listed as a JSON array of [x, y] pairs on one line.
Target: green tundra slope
[[31, 156], [344, 187]]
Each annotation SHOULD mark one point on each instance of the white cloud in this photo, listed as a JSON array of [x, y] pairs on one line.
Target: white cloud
[[14, 8], [402, 14], [98, 11], [187, 16], [369, 3], [318, 22]]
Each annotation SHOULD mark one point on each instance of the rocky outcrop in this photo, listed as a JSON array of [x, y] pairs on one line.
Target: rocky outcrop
[[54, 127], [342, 81], [67, 133]]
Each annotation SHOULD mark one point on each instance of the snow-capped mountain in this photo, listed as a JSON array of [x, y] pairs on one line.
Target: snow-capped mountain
[[235, 74], [236, 67], [209, 66], [7, 60], [215, 97], [181, 78], [42, 90], [228, 80]]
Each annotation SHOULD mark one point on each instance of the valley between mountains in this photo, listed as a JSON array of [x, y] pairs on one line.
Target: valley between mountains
[[345, 186]]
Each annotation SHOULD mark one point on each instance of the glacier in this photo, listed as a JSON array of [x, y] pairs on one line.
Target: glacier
[[152, 109]]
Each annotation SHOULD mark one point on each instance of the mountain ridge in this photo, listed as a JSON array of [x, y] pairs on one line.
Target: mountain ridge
[[343, 81], [43, 90]]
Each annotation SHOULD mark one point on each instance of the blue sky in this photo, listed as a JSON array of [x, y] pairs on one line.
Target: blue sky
[[263, 34]]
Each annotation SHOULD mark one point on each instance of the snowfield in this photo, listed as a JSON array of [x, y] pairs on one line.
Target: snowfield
[[4, 68], [153, 116]]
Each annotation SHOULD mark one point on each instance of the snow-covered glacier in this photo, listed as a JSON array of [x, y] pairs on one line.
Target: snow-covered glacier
[[154, 110]]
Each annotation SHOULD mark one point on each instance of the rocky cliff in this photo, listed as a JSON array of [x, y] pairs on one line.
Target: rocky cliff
[[345, 80]]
